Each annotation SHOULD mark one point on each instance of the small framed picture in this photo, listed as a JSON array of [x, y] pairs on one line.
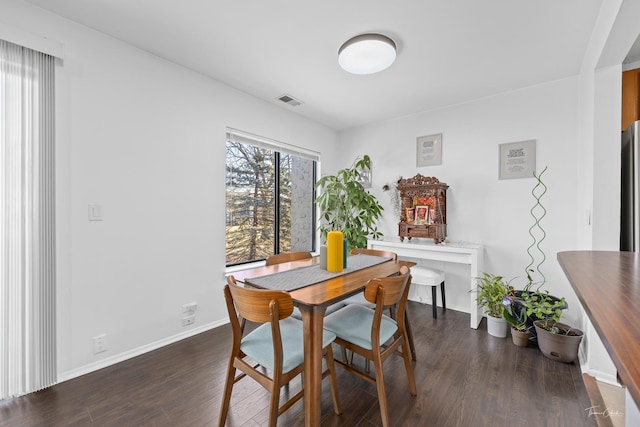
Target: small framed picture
[[517, 160], [410, 214], [365, 178], [422, 214], [429, 150]]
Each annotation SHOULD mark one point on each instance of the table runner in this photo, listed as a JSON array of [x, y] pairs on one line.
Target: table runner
[[306, 276]]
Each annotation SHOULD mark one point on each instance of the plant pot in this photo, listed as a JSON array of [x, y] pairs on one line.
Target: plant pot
[[518, 305], [520, 338], [497, 326], [562, 346]]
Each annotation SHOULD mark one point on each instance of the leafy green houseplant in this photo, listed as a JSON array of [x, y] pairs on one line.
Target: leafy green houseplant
[[540, 305], [532, 302], [347, 206], [517, 319], [491, 291], [557, 341]]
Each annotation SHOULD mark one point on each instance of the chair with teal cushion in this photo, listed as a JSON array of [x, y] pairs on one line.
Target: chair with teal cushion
[[359, 298], [277, 345], [373, 335]]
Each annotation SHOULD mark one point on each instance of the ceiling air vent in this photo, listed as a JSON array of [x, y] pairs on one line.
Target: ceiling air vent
[[290, 100]]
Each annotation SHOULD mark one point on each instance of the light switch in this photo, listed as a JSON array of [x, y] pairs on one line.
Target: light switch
[[95, 212]]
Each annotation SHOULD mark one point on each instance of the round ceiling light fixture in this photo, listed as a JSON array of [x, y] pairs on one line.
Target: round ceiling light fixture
[[367, 54]]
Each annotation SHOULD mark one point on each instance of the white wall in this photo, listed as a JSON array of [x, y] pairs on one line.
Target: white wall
[[480, 207], [145, 139], [577, 126], [614, 33]]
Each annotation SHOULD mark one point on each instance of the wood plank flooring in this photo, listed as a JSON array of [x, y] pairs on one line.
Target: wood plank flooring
[[465, 378]]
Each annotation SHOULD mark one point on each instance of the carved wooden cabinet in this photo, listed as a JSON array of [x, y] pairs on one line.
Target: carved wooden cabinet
[[423, 208]]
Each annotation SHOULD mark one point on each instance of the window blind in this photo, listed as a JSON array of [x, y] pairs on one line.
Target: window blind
[[27, 221], [270, 144]]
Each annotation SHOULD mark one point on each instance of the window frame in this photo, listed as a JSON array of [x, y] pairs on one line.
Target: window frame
[[278, 148]]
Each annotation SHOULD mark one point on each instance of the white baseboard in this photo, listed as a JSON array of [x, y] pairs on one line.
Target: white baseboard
[[83, 370], [601, 376]]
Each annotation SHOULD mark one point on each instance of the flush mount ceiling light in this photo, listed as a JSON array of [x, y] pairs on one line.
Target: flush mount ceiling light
[[367, 54]]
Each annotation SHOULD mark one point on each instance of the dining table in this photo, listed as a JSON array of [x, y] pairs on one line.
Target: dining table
[[312, 300]]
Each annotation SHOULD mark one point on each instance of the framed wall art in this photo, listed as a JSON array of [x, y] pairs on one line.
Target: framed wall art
[[517, 160], [429, 150], [421, 214], [365, 177]]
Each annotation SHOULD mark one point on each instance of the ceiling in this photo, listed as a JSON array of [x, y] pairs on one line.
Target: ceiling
[[634, 53], [449, 51]]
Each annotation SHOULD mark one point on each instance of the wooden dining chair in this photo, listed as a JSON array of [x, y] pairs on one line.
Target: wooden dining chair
[[376, 252], [374, 335], [277, 345], [360, 299], [287, 257]]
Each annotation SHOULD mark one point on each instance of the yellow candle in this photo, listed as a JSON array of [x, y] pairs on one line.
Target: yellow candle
[[335, 251]]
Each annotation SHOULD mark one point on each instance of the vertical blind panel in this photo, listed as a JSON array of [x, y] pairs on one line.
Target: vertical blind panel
[[27, 221]]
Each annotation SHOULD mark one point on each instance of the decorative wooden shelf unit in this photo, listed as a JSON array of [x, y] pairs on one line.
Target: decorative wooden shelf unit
[[423, 191]]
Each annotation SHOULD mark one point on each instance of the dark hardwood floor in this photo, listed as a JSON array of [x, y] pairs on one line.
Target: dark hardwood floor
[[465, 378]]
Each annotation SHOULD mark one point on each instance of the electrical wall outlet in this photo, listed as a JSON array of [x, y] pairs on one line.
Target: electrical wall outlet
[[99, 344], [188, 320], [190, 308]]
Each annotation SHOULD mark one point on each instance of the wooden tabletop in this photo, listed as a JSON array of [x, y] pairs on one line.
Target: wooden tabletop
[[608, 286], [332, 290]]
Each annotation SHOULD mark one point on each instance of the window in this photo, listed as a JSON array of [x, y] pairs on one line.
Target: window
[[270, 206]]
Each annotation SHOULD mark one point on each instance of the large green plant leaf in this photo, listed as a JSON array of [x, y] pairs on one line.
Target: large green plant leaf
[[347, 206]]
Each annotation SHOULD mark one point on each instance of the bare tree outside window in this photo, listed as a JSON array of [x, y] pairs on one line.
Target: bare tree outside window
[[269, 201]]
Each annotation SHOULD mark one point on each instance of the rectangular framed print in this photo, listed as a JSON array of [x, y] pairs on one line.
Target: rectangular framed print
[[410, 214], [517, 160], [429, 150], [421, 215]]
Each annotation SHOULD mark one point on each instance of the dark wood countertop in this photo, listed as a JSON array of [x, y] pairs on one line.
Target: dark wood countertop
[[608, 286]]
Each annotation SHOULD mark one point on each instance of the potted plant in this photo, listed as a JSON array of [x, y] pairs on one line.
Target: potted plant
[[532, 302], [517, 319], [556, 340], [347, 206], [491, 291]]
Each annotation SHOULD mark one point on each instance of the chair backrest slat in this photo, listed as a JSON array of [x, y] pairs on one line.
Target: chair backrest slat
[[377, 252], [253, 304], [287, 257], [394, 288]]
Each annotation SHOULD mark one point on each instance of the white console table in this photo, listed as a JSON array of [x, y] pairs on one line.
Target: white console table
[[459, 253]]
